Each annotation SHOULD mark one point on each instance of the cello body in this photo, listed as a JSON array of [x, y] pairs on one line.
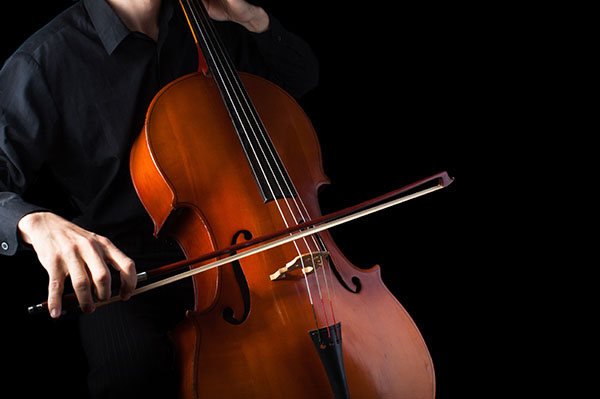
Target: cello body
[[248, 335]]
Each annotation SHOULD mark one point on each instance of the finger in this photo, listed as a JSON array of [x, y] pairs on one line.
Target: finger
[[56, 287], [80, 282], [125, 266], [99, 272]]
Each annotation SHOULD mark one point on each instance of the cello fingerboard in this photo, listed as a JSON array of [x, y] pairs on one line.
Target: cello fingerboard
[[272, 179]]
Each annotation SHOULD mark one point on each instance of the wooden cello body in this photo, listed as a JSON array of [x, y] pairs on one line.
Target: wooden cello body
[[325, 330]]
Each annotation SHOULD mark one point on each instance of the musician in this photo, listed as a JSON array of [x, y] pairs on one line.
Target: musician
[[72, 99]]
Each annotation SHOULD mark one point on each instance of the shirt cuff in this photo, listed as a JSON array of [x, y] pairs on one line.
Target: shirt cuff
[[12, 209]]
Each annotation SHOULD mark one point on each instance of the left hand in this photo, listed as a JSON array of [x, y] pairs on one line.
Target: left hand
[[253, 18]]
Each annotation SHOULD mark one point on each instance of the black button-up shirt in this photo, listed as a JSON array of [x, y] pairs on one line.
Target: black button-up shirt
[[73, 98]]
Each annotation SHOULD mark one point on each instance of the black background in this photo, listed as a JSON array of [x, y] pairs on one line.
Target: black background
[[401, 97]]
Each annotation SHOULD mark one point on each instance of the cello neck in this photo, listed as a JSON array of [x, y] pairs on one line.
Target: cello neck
[[268, 170], [211, 49]]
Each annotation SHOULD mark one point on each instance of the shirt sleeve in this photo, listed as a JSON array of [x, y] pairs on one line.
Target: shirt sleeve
[[277, 55], [27, 118]]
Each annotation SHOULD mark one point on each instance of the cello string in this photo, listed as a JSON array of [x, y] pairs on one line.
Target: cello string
[[253, 121], [303, 214], [329, 293], [259, 126], [241, 113], [212, 45], [229, 83], [240, 93]]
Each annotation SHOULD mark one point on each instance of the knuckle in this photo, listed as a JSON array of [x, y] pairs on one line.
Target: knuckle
[[102, 277], [50, 263], [102, 239], [81, 285], [56, 270], [55, 285], [66, 251], [129, 265], [84, 242]]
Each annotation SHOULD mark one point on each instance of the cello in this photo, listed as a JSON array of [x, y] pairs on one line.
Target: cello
[[212, 174]]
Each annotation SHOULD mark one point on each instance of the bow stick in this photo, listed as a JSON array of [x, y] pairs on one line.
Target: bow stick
[[272, 240]]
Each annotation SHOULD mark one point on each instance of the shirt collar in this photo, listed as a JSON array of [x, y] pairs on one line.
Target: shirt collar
[[109, 26]]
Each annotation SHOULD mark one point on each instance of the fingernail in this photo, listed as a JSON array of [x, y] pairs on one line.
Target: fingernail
[[54, 313]]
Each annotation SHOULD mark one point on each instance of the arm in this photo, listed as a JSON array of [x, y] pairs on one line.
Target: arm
[[29, 123]]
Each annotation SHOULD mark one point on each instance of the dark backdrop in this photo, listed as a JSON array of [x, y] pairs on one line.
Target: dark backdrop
[[399, 99]]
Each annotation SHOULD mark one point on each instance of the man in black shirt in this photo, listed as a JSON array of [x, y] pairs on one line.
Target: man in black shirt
[[72, 99]]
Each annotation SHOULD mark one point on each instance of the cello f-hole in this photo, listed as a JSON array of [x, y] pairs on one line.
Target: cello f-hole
[[228, 313], [338, 276]]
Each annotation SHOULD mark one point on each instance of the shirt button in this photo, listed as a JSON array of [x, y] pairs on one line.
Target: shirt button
[[4, 246]]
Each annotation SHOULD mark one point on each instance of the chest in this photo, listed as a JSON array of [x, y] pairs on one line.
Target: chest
[[102, 98]]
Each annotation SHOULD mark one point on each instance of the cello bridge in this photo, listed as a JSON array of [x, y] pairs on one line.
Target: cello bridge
[[306, 262]]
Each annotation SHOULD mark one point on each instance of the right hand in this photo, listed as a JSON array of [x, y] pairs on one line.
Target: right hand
[[65, 249]]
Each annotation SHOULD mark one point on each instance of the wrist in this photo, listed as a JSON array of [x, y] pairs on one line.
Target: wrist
[[258, 22], [27, 225]]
